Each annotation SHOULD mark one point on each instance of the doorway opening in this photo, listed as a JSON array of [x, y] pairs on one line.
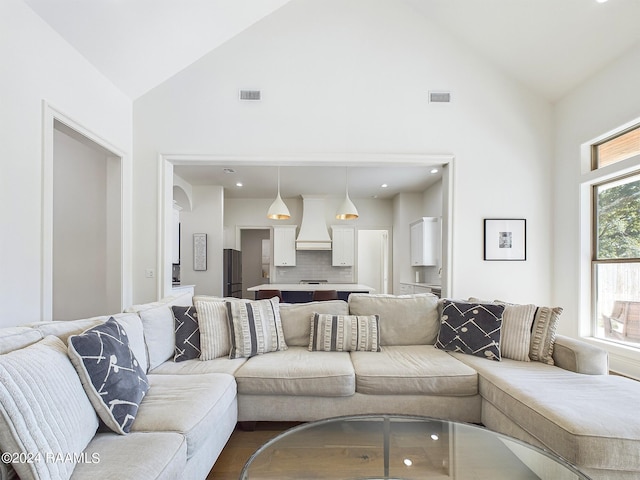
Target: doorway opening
[[255, 245], [373, 259], [83, 248]]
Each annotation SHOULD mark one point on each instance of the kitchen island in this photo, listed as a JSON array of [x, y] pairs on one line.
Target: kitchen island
[[302, 292]]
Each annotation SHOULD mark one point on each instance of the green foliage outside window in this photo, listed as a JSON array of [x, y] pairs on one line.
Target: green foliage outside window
[[618, 216]]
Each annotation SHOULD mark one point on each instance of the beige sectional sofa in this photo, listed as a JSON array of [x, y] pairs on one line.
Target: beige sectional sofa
[[573, 408]]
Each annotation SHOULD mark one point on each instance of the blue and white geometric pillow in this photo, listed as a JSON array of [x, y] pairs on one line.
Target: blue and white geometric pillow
[[471, 328], [187, 333], [110, 374]]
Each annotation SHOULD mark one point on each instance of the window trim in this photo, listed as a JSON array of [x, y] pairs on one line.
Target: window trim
[[622, 358]]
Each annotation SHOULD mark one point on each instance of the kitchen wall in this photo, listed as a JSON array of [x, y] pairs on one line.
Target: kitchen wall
[[353, 76], [37, 65], [206, 216]]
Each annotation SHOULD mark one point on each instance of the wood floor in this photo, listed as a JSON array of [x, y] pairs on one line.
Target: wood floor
[[240, 447]]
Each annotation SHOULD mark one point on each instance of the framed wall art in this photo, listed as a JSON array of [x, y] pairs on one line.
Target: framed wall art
[[199, 251], [505, 239]]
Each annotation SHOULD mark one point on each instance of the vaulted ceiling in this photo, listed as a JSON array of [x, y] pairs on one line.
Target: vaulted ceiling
[[549, 45]]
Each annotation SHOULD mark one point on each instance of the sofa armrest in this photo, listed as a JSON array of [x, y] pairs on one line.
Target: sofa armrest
[[580, 357]]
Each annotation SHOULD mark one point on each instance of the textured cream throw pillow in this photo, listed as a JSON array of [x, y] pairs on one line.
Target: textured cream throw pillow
[[214, 329], [344, 333]]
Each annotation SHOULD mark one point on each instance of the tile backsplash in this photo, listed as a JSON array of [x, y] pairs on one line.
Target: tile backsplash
[[314, 265]]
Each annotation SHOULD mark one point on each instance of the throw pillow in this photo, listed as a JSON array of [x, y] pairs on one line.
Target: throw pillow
[[255, 328], [543, 335], [44, 408], [187, 333], [344, 333], [214, 329], [471, 328], [110, 374]]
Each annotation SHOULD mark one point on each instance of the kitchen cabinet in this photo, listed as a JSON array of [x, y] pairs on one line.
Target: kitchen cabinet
[[343, 246], [425, 242], [284, 246]]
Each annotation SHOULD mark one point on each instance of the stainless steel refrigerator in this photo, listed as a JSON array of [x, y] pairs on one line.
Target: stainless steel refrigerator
[[232, 273]]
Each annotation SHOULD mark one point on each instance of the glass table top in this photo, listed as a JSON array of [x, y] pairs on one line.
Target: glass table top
[[401, 447]]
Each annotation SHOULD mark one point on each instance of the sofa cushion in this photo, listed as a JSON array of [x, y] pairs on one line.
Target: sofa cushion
[[590, 423], [13, 338], [344, 333], [196, 366], [110, 373], [412, 370], [295, 318], [297, 371], [43, 408], [255, 328], [188, 404], [139, 456], [187, 332], [404, 319], [471, 328], [214, 329]]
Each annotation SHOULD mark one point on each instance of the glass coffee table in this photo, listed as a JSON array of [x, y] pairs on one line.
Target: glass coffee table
[[401, 447]]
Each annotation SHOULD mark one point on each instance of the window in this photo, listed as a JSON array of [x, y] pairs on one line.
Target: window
[[616, 244], [614, 149]]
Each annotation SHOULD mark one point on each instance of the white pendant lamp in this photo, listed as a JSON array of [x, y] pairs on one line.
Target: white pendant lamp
[[347, 210], [278, 210]]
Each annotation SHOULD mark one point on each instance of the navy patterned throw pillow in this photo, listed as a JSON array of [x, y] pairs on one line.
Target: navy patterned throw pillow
[[471, 328], [110, 374], [187, 333]]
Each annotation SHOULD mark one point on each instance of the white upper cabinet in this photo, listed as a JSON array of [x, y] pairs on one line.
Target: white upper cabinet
[[425, 242], [284, 246], [343, 246]]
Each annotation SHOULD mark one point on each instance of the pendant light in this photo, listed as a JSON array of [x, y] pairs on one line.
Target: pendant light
[[347, 210], [278, 210]]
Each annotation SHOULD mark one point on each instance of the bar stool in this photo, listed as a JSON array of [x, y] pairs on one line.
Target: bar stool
[[322, 295], [266, 294]]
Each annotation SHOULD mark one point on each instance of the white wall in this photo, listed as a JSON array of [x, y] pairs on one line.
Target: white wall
[[353, 76], [604, 103], [38, 65], [205, 217]]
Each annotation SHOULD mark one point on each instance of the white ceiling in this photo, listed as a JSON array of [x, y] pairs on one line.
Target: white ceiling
[[549, 45], [261, 181]]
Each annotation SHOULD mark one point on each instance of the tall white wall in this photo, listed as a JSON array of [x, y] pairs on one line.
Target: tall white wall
[[353, 76], [37, 64], [604, 103]]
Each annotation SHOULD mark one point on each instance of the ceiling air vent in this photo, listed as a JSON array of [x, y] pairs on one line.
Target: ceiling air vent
[[249, 94], [439, 97]]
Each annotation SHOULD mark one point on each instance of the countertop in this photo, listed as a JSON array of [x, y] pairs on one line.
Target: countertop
[[306, 287]]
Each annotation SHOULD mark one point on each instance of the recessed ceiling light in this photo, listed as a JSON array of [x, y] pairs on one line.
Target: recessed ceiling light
[[239, 184], [434, 171], [601, 1], [384, 185]]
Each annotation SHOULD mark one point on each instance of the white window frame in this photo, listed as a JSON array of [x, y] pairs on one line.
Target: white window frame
[[622, 358]]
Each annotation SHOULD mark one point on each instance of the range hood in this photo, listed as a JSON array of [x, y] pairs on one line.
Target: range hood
[[313, 229]]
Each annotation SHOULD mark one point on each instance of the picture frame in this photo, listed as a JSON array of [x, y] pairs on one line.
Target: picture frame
[[505, 239], [199, 251]]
